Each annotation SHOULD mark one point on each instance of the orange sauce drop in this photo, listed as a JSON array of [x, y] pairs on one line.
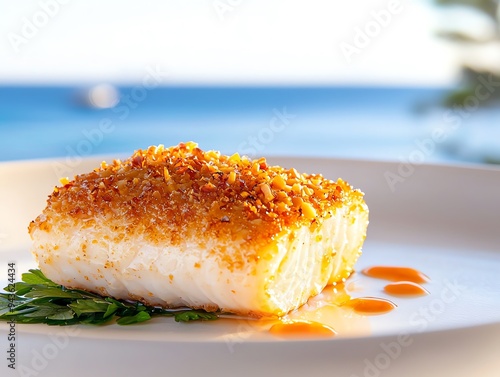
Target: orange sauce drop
[[405, 288], [370, 305], [302, 329], [396, 274]]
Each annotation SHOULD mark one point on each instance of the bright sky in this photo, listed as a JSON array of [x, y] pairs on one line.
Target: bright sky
[[326, 42]]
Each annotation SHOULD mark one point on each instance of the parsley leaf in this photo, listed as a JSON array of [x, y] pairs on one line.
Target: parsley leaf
[[37, 299], [194, 315], [139, 317], [34, 277]]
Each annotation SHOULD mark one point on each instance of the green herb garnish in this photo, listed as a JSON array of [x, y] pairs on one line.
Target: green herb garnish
[[37, 299]]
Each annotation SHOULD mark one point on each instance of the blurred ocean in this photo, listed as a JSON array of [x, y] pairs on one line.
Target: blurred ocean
[[352, 122]]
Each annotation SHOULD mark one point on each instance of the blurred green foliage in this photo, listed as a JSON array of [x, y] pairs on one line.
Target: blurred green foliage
[[488, 7], [472, 77]]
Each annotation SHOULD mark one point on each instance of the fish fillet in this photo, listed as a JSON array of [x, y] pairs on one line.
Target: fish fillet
[[183, 227]]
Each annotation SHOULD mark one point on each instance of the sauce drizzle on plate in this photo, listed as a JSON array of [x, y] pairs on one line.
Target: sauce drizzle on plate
[[335, 308], [393, 273], [302, 329], [370, 305], [405, 288]]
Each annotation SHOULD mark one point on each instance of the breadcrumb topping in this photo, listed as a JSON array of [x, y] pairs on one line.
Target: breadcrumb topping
[[168, 194]]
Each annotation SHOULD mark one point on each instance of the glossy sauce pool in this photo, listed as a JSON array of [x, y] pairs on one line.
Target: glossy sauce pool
[[393, 273], [405, 288], [370, 305], [334, 311], [302, 329]]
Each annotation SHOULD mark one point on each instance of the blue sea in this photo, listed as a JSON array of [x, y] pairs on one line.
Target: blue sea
[[350, 122]]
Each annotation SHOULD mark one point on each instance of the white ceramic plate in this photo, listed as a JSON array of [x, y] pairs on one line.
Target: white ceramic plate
[[444, 221]]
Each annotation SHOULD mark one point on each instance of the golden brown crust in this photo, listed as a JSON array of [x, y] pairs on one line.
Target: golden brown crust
[[192, 192]]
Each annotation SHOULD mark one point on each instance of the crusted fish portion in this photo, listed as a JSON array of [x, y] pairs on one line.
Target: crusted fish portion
[[184, 227]]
